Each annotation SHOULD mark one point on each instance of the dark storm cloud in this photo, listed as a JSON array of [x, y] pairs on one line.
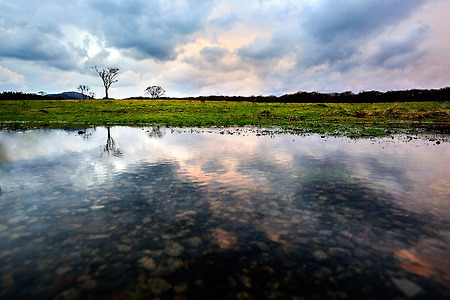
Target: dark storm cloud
[[148, 28], [213, 54], [337, 18], [212, 59], [141, 29], [23, 39], [331, 32], [401, 51], [34, 46], [264, 48], [317, 44], [269, 48], [30, 31], [335, 30]]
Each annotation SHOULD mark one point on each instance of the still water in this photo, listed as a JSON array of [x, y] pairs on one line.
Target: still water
[[144, 213]]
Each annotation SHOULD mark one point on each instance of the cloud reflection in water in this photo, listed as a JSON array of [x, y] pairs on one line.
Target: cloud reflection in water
[[305, 203]]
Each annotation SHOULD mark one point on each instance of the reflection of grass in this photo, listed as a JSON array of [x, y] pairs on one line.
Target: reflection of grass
[[363, 119]]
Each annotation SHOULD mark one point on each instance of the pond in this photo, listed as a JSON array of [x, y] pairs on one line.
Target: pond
[[243, 213]]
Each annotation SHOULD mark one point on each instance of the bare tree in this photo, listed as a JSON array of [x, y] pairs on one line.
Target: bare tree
[[108, 76], [84, 90], [155, 91]]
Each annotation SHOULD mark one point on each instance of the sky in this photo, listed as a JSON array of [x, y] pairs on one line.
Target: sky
[[224, 47]]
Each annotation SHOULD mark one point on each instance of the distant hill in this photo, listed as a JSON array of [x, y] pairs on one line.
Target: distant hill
[[32, 96], [67, 95]]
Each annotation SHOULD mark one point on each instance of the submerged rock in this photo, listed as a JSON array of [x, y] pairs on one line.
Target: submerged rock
[[340, 252], [124, 248], [64, 269], [174, 249], [69, 295], [181, 288], [193, 241], [409, 288], [147, 263], [159, 285], [320, 255], [86, 282]]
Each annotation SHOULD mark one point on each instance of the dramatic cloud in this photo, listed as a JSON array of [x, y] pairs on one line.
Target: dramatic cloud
[[339, 19], [148, 28], [197, 47], [399, 52], [37, 42], [336, 30]]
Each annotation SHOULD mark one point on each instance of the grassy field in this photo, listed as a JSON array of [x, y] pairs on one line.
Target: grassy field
[[362, 119]]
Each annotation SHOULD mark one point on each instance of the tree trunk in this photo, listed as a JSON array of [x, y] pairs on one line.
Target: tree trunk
[[106, 93]]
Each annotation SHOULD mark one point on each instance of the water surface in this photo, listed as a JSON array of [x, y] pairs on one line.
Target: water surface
[[140, 213]]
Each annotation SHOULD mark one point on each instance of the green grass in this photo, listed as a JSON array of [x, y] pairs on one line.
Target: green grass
[[362, 119]]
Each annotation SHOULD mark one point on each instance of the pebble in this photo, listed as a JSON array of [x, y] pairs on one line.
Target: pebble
[[62, 270], [124, 248], [409, 288], [186, 213], [340, 252], [71, 294], [273, 285], [326, 232], [322, 273], [193, 241], [320, 255], [158, 285], [243, 296], [153, 253], [147, 263], [323, 198], [246, 281], [86, 282], [360, 253], [174, 249], [97, 207], [181, 288], [6, 253], [339, 218], [7, 281], [347, 234], [340, 197], [263, 246], [16, 220], [199, 282], [98, 236]]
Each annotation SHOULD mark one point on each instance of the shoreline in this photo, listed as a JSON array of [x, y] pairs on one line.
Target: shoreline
[[340, 119]]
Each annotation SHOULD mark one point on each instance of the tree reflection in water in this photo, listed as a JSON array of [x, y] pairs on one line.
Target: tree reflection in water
[[111, 147], [156, 132]]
